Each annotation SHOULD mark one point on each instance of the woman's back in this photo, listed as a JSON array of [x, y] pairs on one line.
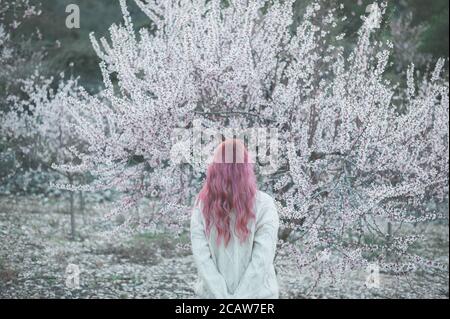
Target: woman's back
[[237, 269]]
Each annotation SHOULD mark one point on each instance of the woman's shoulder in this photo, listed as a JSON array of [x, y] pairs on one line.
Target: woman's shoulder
[[265, 207], [263, 198]]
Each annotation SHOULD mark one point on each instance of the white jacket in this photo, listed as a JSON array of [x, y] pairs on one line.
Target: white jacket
[[240, 270]]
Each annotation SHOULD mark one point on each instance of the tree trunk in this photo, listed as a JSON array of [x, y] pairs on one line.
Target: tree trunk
[[72, 217], [81, 200], [72, 211], [389, 240]]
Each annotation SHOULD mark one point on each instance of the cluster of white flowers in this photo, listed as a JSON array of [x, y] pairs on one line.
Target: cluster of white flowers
[[43, 119], [12, 14]]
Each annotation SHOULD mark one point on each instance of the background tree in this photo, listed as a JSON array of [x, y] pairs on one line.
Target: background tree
[[41, 127], [33, 134], [15, 60]]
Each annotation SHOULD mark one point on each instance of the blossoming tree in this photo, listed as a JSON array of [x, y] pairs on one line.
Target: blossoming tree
[[40, 127], [12, 15], [35, 126], [359, 156]]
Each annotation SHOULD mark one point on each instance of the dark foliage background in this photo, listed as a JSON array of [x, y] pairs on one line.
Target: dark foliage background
[[64, 46]]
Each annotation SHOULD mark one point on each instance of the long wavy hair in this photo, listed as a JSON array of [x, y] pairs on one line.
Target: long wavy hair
[[230, 187]]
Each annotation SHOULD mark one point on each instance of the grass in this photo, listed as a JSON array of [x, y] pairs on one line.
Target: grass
[[147, 248], [7, 273]]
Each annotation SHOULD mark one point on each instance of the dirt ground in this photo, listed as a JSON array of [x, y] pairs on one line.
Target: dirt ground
[[35, 252]]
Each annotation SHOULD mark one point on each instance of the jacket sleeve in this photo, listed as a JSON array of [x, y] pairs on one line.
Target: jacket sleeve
[[206, 267], [263, 253]]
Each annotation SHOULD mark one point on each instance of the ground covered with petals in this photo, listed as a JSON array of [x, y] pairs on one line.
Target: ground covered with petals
[[35, 250]]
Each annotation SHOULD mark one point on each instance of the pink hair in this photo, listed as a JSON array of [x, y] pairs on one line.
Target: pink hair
[[230, 184]]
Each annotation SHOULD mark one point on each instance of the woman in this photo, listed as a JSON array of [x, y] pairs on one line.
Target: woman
[[234, 230]]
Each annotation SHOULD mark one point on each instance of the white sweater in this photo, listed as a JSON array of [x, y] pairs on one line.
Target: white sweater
[[240, 270]]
